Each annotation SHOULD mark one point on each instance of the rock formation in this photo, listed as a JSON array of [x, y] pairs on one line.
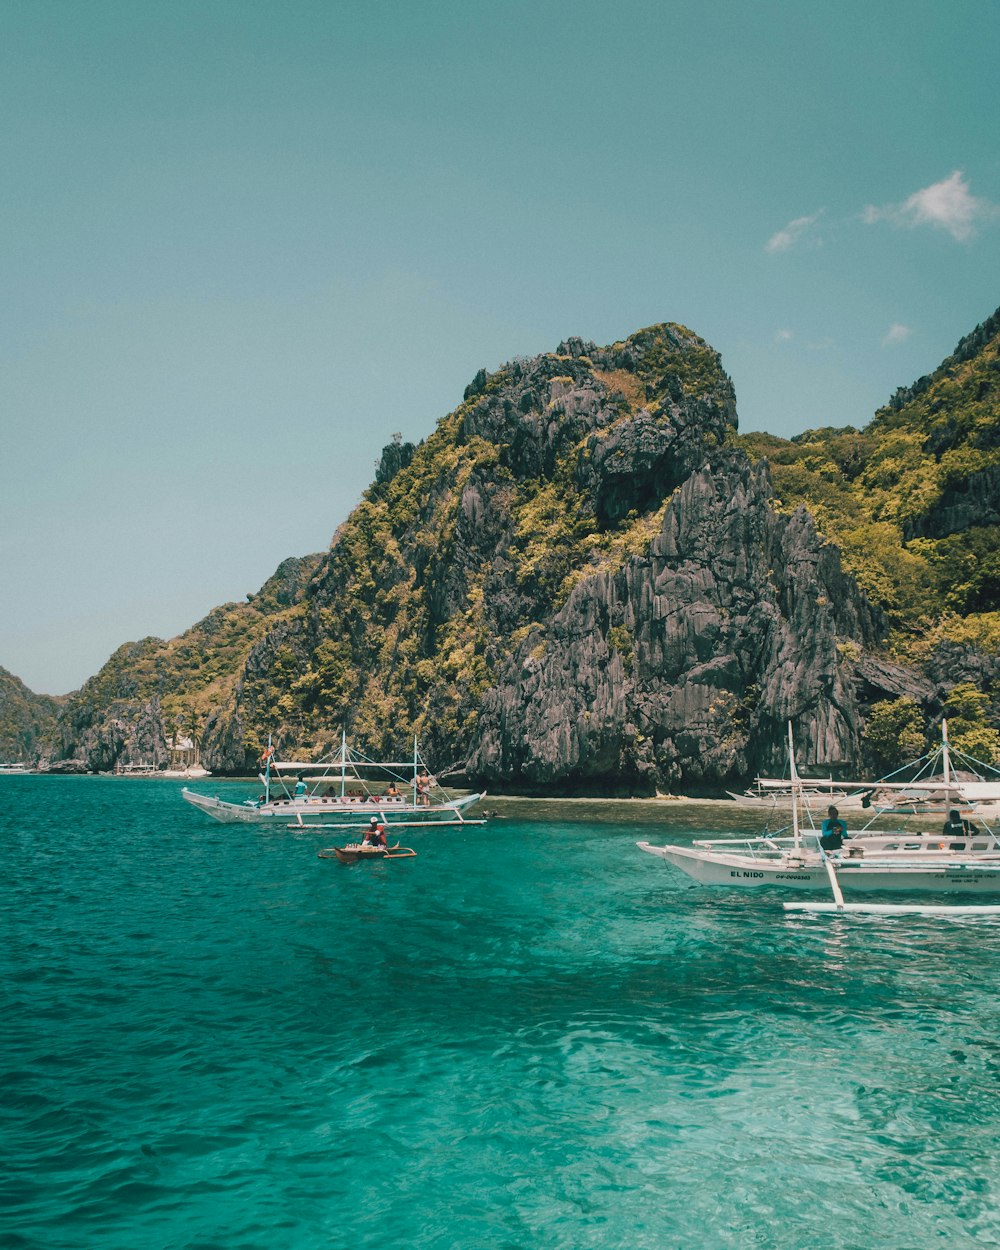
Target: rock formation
[[28, 722], [587, 592], [585, 581]]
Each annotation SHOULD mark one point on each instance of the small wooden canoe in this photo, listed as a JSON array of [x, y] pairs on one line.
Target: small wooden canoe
[[355, 853]]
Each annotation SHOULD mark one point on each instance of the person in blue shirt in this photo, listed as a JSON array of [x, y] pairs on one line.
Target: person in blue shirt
[[833, 831]]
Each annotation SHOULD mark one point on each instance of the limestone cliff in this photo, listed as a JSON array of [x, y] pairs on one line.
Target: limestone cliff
[[681, 666], [152, 688], [573, 586], [584, 580], [28, 722]]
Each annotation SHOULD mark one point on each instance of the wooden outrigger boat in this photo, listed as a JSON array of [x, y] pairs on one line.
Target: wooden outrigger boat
[[870, 861], [342, 793], [358, 853], [927, 786]]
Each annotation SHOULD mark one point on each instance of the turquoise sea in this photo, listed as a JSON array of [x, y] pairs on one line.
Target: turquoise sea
[[529, 1036]]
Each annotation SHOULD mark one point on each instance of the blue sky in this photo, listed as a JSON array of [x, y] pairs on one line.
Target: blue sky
[[244, 243]]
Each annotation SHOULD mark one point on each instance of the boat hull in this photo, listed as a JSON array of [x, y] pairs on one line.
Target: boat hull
[[366, 854], [854, 876], [814, 802], [328, 812]]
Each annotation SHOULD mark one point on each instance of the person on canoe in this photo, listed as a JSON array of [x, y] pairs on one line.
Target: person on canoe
[[375, 835]]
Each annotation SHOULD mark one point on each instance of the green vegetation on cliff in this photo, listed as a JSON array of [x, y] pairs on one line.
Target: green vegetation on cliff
[[534, 482], [188, 677], [585, 527], [913, 499], [28, 721]]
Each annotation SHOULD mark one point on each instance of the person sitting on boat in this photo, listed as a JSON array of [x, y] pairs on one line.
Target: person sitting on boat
[[390, 791], [955, 826], [375, 834], [833, 831]]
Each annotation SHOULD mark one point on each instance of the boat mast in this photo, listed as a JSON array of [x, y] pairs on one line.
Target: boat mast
[[343, 760], [267, 771], [796, 787], [945, 757]]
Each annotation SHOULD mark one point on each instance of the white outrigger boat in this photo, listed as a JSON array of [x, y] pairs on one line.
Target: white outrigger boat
[[935, 786], [771, 792], [870, 861], [342, 793]]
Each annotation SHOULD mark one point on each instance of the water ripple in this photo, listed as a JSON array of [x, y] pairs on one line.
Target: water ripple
[[526, 1036]]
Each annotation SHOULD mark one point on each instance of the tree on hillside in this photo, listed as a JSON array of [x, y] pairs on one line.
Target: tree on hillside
[[895, 733], [969, 731]]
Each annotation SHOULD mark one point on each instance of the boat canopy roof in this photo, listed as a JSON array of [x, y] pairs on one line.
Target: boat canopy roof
[[931, 784], [334, 766]]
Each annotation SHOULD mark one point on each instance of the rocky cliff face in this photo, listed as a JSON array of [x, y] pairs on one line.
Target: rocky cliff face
[[573, 586], [579, 582], [124, 714], [681, 666], [28, 722], [112, 720]]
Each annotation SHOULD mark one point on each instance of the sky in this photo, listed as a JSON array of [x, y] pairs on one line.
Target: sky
[[245, 243]]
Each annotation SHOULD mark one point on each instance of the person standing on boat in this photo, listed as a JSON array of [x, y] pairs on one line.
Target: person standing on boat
[[955, 826], [833, 831], [423, 788], [300, 787]]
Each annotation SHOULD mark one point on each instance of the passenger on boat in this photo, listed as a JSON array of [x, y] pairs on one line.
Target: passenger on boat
[[955, 826], [833, 831], [423, 788], [375, 834], [300, 787], [391, 791]]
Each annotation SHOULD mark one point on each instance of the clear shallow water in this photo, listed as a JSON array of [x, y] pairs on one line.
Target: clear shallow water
[[529, 1036]]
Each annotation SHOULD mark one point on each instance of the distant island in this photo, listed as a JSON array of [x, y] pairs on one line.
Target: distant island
[[585, 580]]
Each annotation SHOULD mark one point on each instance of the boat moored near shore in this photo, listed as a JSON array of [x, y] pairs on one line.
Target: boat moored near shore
[[342, 793], [963, 858]]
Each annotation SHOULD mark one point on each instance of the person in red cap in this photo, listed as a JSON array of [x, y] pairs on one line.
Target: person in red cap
[[375, 834]]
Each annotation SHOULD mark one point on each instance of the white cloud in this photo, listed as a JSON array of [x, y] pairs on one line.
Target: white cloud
[[896, 334], [792, 233], [783, 336], [948, 205]]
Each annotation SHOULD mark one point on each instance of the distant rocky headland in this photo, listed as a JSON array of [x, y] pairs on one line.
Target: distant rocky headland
[[586, 581]]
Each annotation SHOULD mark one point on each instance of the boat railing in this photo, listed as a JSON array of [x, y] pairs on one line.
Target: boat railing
[[760, 846], [897, 848]]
